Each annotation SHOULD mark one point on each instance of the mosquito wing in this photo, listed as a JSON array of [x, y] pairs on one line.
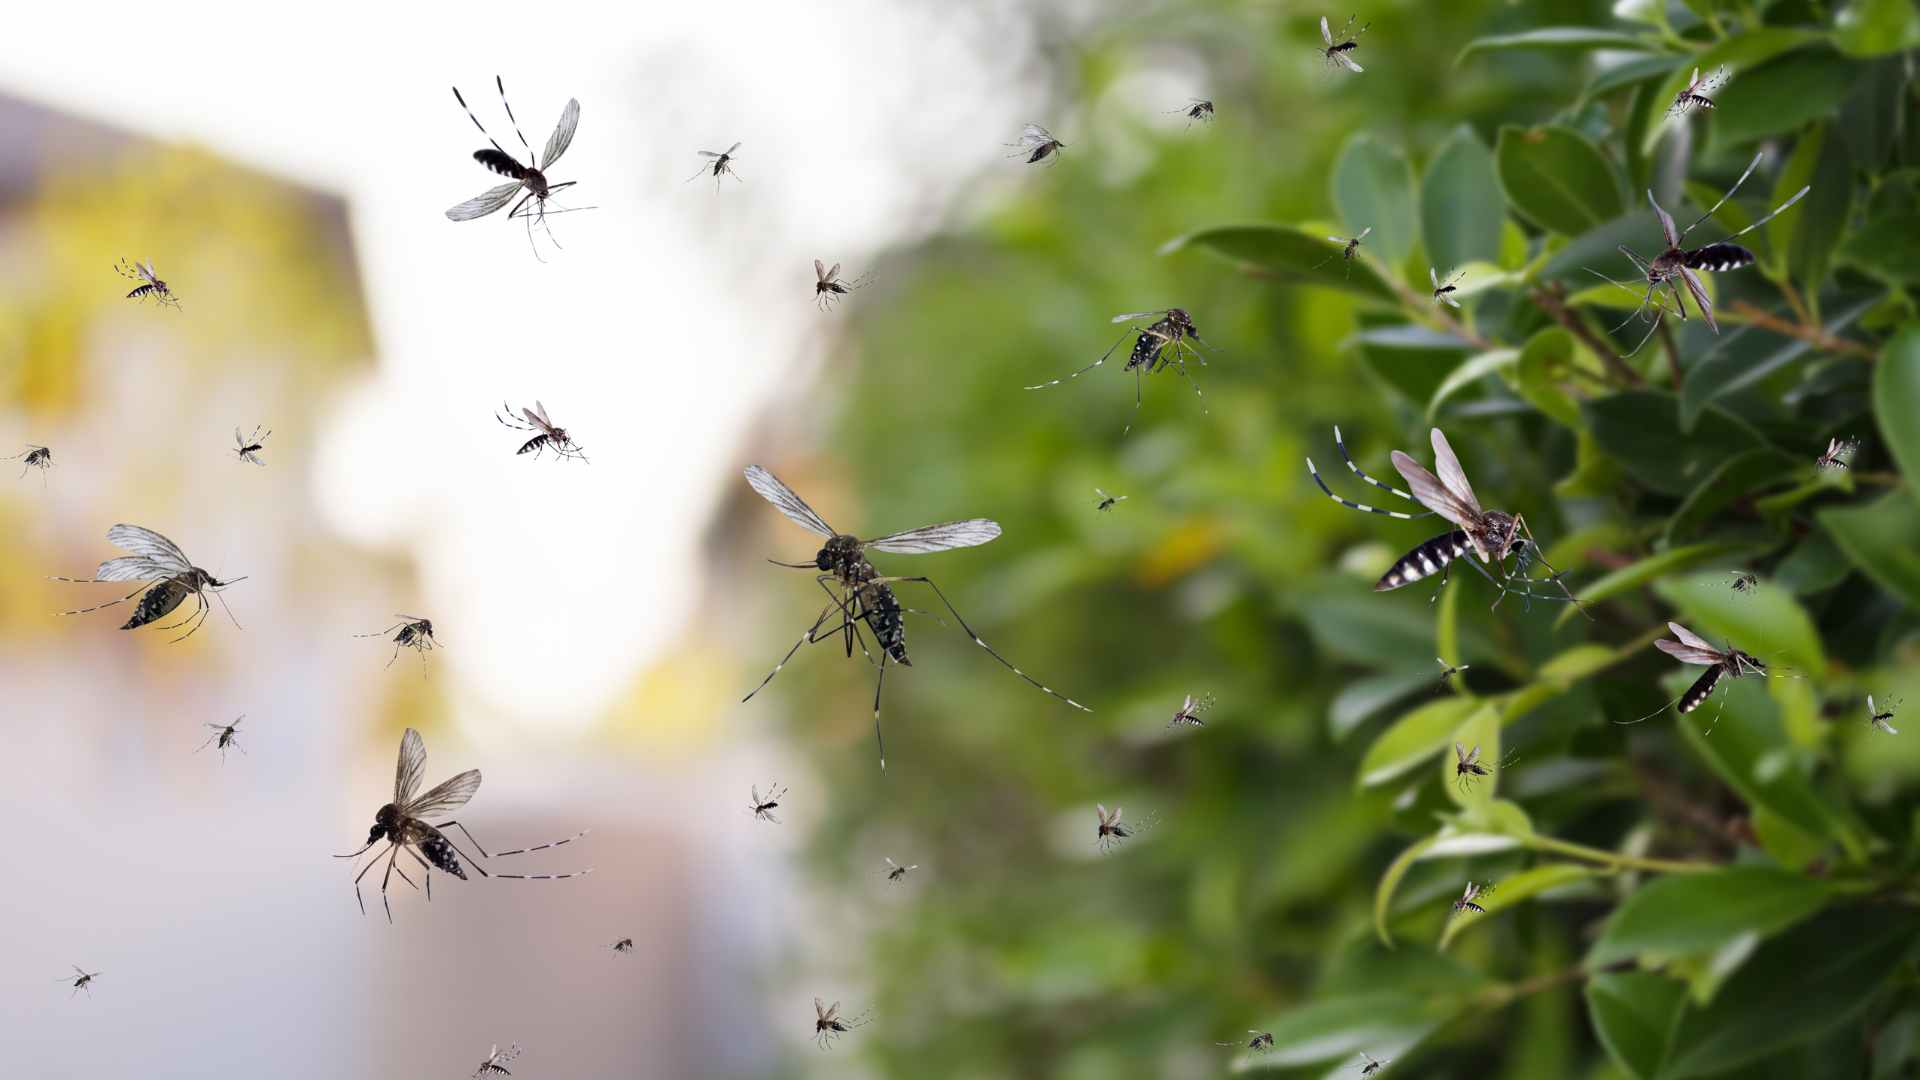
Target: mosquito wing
[[483, 204], [538, 414], [1689, 637], [562, 136], [1035, 133], [413, 761], [1434, 276], [730, 150], [1666, 221], [152, 545], [1338, 239], [1430, 492], [1326, 33], [1688, 654], [1132, 315], [1368, 229], [782, 497], [1346, 61], [446, 797], [147, 271], [954, 534], [131, 568], [831, 274], [1698, 291], [819, 270], [1451, 473]]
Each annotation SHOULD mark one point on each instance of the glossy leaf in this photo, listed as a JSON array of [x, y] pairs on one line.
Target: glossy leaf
[[1461, 210], [1641, 429], [1289, 253], [1512, 890], [1877, 27], [1386, 1023], [1414, 738], [1896, 399], [1577, 38], [1879, 541], [1472, 371], [1739, 54], [1634, 1014], [1557, 178], [1781, 95], [1701, 913], [1373, 188]]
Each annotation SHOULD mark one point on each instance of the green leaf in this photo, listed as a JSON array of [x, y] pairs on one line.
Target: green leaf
[[1814, 228], [1634, 1014], [1413, 738], [1460, 208], [1781, 95], [1641, 430], [1652, 568], [1686, 914], [1877, 27], [1482, 731], [1468, 373], [1883, 247], [1597, 251], [1390, 883], [1740, 54], [1373, 187], [1360, 699], [1580, 38], [1642, 69], [1291, 253], [1512, 890], [1745, 355], [1557, 178], [1550, 357], [1896, 397], [1879, 540], [1739, 477], [1385, 1023]]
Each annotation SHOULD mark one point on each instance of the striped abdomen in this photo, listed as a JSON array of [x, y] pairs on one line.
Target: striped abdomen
[[1426, 560], [157, 602], [439, 851], [887, 621], [1146, 348], [1717, 257], [1701, 689]]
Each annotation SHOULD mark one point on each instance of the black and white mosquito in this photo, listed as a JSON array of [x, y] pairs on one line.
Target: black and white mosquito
[[1338, 49], [1261, 1042], [167, 575], [1371, 1064], [1443, 290], [1188, 715], [414, 633], [224, 735], [550, 435], [857, 592], [1467, 901], [1112, 831], [1107, 502], [763, 806], [624, 945], [403, 824], [1467, 766], [828, 287], [1491, 535], [720, 165], [1199, 109], [1744, 581], [1348, 246], [1448, 671], [80, 980], [1691, 648], [1165, 342], [1037, 144], [530, 178], [34, 457], [1839, 454], [829, 1025], [249, 448], [496, 1063], [1879, 717], [150, 287], [896, 872], [1695, 96]]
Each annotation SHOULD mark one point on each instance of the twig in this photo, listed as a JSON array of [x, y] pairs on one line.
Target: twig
[[1551, 299], [1813, 335]]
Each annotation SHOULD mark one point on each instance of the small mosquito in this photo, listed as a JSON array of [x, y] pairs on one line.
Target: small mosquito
[[36, 457], [403, 824], [1107, 501], [1697, 89], [624, 945], [249, 448], [865, 595], [1468, 767], [415, 633], [1189, 712], [896, 872], [1691, 648], [168, 576], [1337, 53], [1199, 109], [721, 165], [1838, 456], [829, 1025], [1744, 581], [1443, 291], [150, 284], [224, 735], [550, 437], [1448, 671], [763, 807], [528, 177], [1038, 144], [1371, 1064], [1111, 831], [1166, 342], [1261, 1042], [497, 1059], [827, 286], [83, 980], [1468, 898], [1878, 717], [1349, 245]]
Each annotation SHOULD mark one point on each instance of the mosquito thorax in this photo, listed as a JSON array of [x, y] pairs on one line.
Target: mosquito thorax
[[1745, 663], [840, 554]]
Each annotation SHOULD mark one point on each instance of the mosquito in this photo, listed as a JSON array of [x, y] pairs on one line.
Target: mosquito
[[865, 595], [1189, 712], [1261, 1042], [1492, 535], [1337, 53], [415, 633], [150, 284], [897, 873], [550, 437], [168, 578], [1349, 245], [1199, 109], [1676, 262], [1448, 671], [1838, 456], [1111, 830], [1878, 717], [721, 165], [1697, 89], [1443, 291], [224, 735], [1165, 342], [497, 1059], [763, 807], [403, 824], [1468, 767], [531, 179], [827, 286], [35, 457], [1106, 501], [1373, 1065], [1744, 581], [83, 980], [249, 448], [624, 945], [829, 1025], [1691, 648], [1038, 144], [1467, 901]]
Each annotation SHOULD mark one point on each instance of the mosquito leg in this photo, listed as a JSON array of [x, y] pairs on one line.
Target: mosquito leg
[[1136, 404], [542, 217], [396, 656], [538, 847], [501, 84], [1354, 468], [1718, 709], [804, 639], [198, 618], [386, 879], [470, 840], [1315, 473], [1180, 365], [97, 607], [948, 604]]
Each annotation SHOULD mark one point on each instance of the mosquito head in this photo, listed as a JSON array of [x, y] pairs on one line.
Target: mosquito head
[[383, 823], [1744, 663]]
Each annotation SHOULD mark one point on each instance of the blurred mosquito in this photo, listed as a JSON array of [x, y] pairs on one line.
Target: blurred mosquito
[[1744, 581], [1189, 712], [1691, 648], [1261, 1042], [1697, 89], [1038, 144], [1878, 717], [1198, 109], [1111, 830], [1338, 50], [624, 945], [529, 178], [1349, 245], [403, 824], [150, 284], [1448, 671], [35, 457], [1467, 766], [497, 1059], [721, 165], [416, 633], [865, 595], [1373, 1065], [896, 872], [1166, 342], [168, 578], [550, 437], [224, 735], [1838, 456], [249, 448], [1468, 898], [1443, 292], [829, 1025], [82, 980], [827, 286], [1491, 535], [763, 807], [1107, 501]]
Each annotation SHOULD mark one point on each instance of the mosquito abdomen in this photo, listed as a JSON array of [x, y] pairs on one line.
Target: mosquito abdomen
[[157, 602], [440, 853], [884, 617], [500, 163], [1717, 257], [1426, 560]]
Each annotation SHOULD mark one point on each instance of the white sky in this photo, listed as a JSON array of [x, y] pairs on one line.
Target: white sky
[[671, 318]]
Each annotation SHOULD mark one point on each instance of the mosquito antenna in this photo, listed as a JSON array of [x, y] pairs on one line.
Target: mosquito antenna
[[795, 565], [516, 124], [223, 603], [476, 120], [1777, 211]]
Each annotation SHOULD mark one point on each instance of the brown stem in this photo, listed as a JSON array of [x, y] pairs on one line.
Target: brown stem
[[1805, 331], [1552, 300]]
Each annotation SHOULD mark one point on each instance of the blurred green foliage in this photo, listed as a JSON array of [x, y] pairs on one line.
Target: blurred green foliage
[[1670, 903]]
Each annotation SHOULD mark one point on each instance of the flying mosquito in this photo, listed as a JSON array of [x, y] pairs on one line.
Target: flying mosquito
[[827, 286], [528, 177], [170, 578], [1443, 292], [1372, 1064], [1349, 245], [1189, 712], [1691, 648], [550, 437], [36, 457], [865, 595], [497, 1059], [1198, 109], [1337, 54], [829, 1025], [1038, 144], [150, 284], [1467, 766], [249, 448], [763, 808], [1697, 89], [1448, 671], [1261, 1042], [403, 824], [624, 945], [1878, 717], [1492, 535], [415, 633], [1838, 456], [1744, 581], [1111, 831], [1106, 501], [1468, 898], [721, 165], [83, 980], [1166, 342], [896, 872], [224, 735]]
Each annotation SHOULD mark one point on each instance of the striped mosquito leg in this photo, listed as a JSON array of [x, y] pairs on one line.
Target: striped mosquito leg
[[539, 847], [1128, 430], [97, 607], [880, 741], [501, 84], [1357, 471], [546, 877], [928, 582], [809, 636], [1180, 365], [1084, 370], [476, 120], [1315, 473]]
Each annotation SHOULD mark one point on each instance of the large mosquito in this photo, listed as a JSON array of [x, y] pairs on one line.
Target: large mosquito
[[829, 1025], [1338, 50], [224, 736], [1261, 1042], [1165, 342], [550, 436], [531, 177], [1197, 109], [497, 1059], [1188, 715], [81, 980], [1348, 246], [167, 576], [1443, 290], [249, 448], [764, 806], [1879, 717], [1492, 535], [1468, 899], [150, 287], [828, 287], [865, 595], [1691, 648], [403, 824], [1038, 144], [898, 873], [1694, 96], [415, 633], [1838, 456], [35, 457], [721, 165]]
